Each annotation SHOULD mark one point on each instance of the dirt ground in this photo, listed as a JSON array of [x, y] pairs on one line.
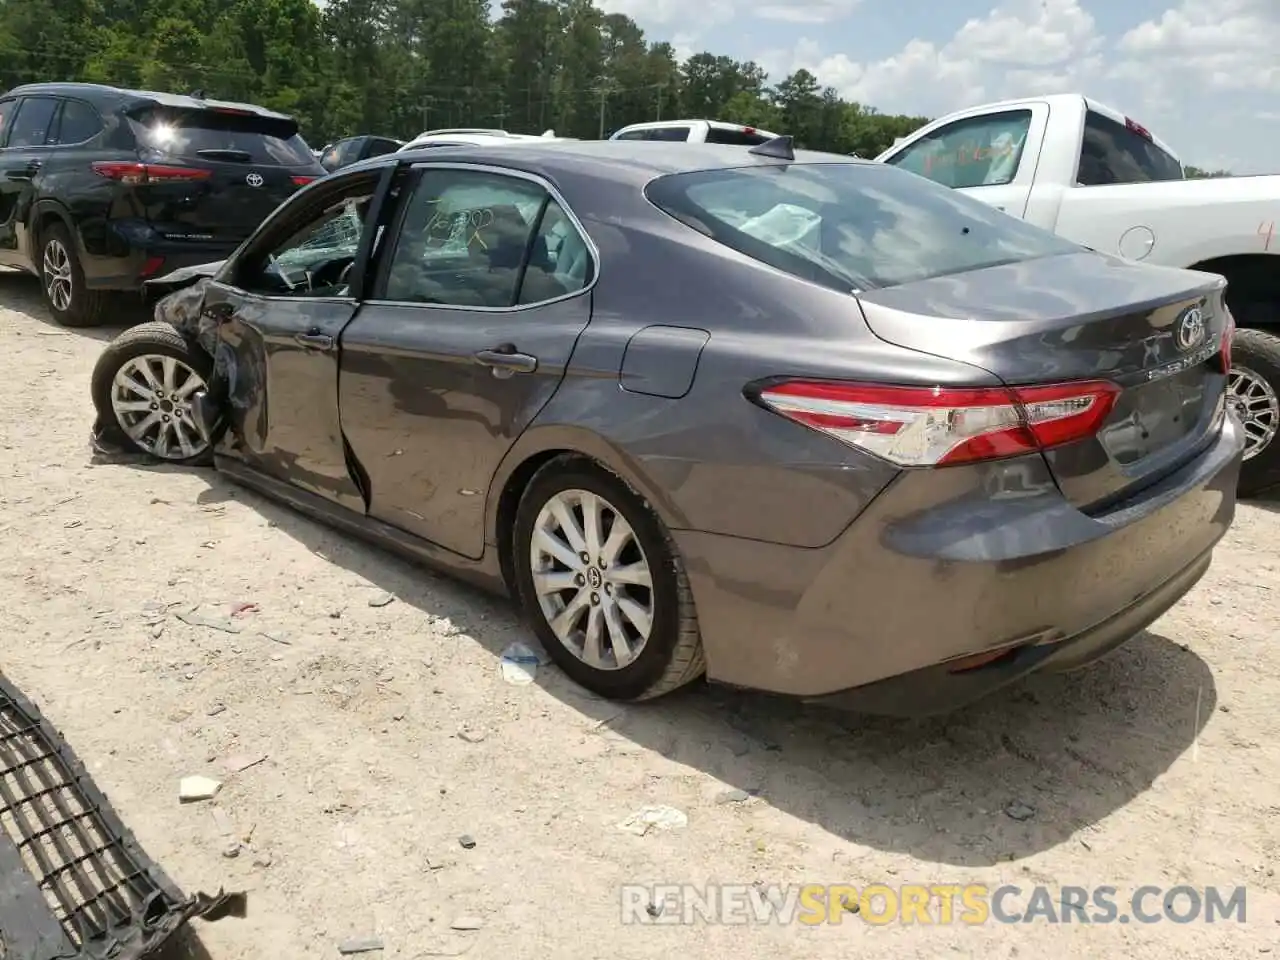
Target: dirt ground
[[389, 732]]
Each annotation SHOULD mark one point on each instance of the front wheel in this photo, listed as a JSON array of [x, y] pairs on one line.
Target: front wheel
[[1253, 392], [600, 579], [143, 387]]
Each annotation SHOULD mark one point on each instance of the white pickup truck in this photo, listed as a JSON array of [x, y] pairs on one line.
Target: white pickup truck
[[1081, 169]]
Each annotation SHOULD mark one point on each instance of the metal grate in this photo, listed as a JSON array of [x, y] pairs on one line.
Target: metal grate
[[101, 896]]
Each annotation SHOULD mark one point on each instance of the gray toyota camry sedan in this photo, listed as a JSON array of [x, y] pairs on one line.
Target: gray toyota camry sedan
[[800, 422]]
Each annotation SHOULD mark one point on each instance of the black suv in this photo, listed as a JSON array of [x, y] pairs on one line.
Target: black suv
[[102, 189]]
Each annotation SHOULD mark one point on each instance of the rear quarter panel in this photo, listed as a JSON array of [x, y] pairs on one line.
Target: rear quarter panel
[[712, 460]]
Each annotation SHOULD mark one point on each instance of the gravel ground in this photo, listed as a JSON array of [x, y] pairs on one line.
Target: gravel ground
[[389, 732]]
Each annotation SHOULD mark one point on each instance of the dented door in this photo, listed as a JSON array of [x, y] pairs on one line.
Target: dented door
[[278, 360]]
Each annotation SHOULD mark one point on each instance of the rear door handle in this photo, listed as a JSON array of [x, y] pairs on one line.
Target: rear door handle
[[24, 173], [505, 361], [315, 341]]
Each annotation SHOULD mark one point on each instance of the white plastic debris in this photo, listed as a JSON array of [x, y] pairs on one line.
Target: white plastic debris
[[519, 664], [192, 789], [654, 818]]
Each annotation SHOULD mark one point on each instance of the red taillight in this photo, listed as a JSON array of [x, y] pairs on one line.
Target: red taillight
[[748, 130], [151, 267], [302, 181], [138, 173], [1134, 127], [1228, 331], [937, 426]]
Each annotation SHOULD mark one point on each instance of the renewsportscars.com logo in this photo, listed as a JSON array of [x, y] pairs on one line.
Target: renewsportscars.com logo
[[926, 904]]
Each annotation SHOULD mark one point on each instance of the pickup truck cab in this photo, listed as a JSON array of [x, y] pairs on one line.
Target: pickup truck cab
[[695, 131], [1075, 166]]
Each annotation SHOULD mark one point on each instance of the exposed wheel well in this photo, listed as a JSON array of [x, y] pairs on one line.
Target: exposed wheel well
[[1253, 286], [509, 503]]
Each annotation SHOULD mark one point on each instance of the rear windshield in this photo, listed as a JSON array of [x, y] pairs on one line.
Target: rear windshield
[[1111, 153], [228, 137], [850, 226], [739, 138]]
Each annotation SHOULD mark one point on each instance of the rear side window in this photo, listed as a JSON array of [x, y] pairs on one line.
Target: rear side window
[[982, 151], [670, 134], [30, 126], [1112, 153], [79, 122], [740, 138], [228, 137], [850, 226], [379, 147]]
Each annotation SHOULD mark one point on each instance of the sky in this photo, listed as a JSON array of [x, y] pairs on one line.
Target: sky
[[1203, 75]]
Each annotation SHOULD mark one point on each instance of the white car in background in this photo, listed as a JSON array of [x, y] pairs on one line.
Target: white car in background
[[696, 131], [460, 136]]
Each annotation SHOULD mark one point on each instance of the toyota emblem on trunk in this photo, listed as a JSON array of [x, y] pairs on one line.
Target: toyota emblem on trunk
[[254, 180], [1190, 330]]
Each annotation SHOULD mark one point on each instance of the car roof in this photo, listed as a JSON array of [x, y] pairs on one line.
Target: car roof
[[620, 161], [178, 101]]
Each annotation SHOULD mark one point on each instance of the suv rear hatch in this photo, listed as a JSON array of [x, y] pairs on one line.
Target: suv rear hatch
[[1155, 333], [215, 173]]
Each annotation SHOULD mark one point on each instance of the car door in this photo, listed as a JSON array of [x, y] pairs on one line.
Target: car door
[[24, 151], [474, 314], [280, 305], [990, 156]]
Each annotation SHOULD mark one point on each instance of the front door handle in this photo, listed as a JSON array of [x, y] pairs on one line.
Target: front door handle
[[504, 361], [315, 341]]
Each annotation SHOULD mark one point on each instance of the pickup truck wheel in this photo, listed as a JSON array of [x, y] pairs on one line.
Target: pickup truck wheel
[[143, 386], [1252, 392]]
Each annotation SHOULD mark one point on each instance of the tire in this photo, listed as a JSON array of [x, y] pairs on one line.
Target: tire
[[84, 307], [1255, 356], [672, 655], [156, 340]]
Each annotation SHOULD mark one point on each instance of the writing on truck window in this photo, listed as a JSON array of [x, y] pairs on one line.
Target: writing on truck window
[[974, 152]]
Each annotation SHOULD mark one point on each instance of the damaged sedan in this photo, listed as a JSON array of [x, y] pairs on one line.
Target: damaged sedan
[[799, 422]]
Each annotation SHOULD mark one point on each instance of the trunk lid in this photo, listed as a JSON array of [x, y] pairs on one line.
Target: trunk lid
[[254, 161], [1083, 316]]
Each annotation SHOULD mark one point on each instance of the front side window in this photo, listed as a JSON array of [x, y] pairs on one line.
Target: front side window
[[30, 127], [669, 134], [7, 108], [1112, 153], [316, 259], [975, 152], [849, 226], [478, 239]]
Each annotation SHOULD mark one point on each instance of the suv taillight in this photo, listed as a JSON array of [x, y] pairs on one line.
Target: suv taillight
[[939, 426], [134, 173]]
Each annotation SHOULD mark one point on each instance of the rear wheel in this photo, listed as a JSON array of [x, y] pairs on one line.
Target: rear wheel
[[62, 279], [601, 581], [143, 385], [1253, 392]]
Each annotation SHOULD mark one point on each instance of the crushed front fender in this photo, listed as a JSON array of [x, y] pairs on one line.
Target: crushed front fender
[[74, 883]]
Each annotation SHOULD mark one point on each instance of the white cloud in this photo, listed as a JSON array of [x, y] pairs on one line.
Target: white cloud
[[1023, 46], [806, 11]]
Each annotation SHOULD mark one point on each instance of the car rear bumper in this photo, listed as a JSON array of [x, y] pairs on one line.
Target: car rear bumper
[[131, 270], [939, 569]]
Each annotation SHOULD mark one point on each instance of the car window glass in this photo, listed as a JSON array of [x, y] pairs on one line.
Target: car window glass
[[670, 134], [380, 147], [315, 260], [464, 239], [850, 226], [559, 261], [975, 152], [6, 114], [1112, 153], [349, 151], [79, 122], [215, 135], [30, 126], [738, 138], [633, 135]]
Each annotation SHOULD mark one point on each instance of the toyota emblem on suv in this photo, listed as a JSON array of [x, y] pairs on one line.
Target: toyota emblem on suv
[[1190, 329], [254, 180]]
